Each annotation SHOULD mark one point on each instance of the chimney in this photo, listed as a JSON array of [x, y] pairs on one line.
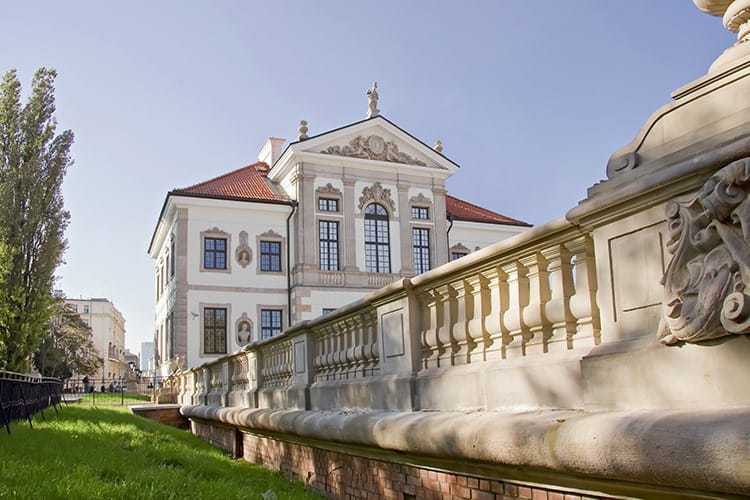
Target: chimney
[[271, 150]]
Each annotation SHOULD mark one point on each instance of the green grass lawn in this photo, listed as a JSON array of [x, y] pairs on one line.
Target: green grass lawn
[[113, 399], [95, 452]]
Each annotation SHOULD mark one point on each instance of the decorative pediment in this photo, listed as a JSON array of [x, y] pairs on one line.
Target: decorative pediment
[[373, 147], [328, 190], [460, 248], [420, 201], [270, 234], [706, 281], [377, 194]]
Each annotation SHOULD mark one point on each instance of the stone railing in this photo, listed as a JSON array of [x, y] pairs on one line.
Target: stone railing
[[528, 297]]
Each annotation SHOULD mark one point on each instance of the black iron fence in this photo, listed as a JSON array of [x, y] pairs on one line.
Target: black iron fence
[[23, 396], [117, 391]]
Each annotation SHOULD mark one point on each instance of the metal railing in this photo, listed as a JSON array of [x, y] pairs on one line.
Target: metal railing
[[115, 391], [23, 396]]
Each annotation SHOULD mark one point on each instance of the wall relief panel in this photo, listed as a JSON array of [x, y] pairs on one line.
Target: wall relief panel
[[373, 147]]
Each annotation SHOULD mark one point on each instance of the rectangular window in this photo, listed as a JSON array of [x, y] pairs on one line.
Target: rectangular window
[[329, 245], [270, 256], [171, 253], [421, 249], [214, 253], [328, 204], [458, 255], [270, 323], [328, 310], [420, 213], [86, 309], [214, 330]]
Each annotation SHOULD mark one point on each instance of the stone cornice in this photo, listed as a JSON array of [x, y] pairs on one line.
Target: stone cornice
[[562, 441]]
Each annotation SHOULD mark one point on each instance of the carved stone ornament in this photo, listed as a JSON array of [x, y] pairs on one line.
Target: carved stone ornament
[[460, 248], [373, 147], [420, 201], [328, 190], [244, 329], [377, 194], [270, 234], [706, 278], [243, 254]]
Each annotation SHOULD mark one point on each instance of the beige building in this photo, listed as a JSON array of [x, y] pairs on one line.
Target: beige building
[[108, 330], [309, 227]]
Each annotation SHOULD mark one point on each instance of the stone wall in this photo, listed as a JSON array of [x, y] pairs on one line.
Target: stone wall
[[167, 414]]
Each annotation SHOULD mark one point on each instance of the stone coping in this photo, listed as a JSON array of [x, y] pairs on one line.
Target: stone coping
[[154, 406], [701, 450]]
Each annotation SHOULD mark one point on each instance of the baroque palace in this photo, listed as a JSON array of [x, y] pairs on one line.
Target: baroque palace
[[311, 226]]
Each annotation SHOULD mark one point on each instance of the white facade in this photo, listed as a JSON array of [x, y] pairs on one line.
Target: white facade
[[108, 331], [368, 163]]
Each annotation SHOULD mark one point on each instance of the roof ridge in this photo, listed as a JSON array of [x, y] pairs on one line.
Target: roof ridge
[[222, 176]]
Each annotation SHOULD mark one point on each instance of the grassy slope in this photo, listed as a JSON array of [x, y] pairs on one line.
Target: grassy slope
[[91, 452]]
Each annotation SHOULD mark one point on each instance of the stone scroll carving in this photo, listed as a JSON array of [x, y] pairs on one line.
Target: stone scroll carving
[[377, 194], [373, 147], [705, 281]]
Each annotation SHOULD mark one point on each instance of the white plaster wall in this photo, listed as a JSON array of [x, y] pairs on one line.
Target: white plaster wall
[[474, 234], [253, 218], [330, 299], [238, 302]]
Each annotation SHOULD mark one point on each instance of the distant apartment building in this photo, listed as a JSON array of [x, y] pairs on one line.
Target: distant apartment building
[[108, 331], [147, 357]]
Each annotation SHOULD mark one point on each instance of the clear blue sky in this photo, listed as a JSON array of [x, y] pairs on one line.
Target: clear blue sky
[[530, 98]]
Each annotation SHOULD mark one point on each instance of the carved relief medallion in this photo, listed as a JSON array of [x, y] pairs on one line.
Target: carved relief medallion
[[709, 269], [244, 329], [243, 254]]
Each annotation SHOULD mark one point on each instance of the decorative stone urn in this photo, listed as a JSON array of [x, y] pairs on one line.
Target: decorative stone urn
[[736, 18]]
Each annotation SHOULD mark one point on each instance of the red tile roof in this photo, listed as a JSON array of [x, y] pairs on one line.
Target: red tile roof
[[463, 210], [248, 183]]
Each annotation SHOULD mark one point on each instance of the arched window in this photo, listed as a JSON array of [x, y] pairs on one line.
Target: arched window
[[377, 240]]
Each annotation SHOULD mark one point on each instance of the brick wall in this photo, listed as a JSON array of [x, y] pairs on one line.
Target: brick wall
[[168, 416], [343, 476], [222, 437]]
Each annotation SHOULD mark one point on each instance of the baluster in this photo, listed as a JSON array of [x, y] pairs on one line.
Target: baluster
[[583, 303], [533, 314], [497, 287], [557, 309], [518, 298], [477, 305], [372, 325], [459, 331], [430, 342], [445, 295]]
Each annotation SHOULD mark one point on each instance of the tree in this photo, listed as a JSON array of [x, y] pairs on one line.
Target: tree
[[68, 347], [33, 162]]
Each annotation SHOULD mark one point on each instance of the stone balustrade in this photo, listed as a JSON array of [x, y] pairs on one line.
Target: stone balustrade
[[417, 342]]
